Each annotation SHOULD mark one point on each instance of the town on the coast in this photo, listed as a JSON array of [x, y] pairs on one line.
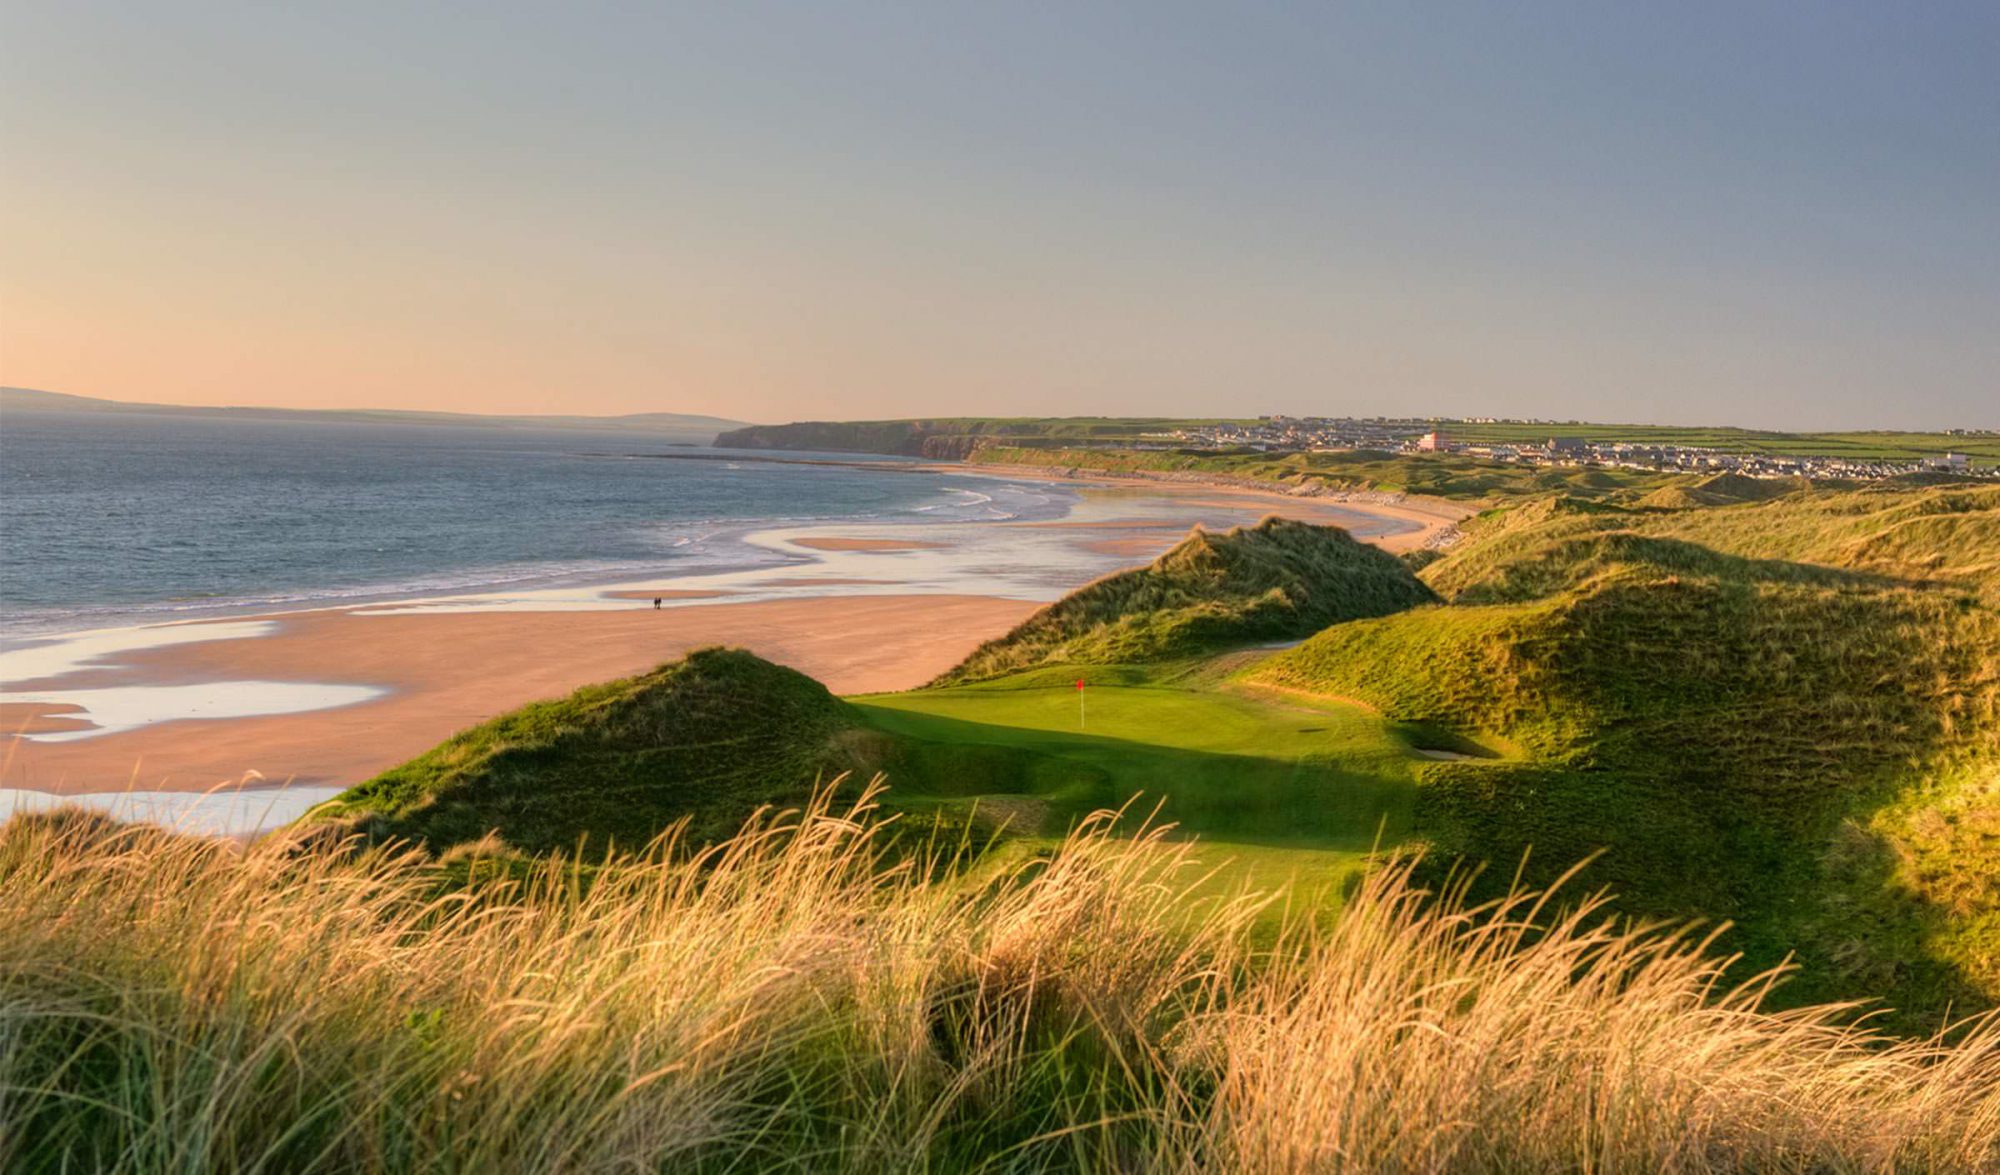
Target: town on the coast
[[1550, 442]]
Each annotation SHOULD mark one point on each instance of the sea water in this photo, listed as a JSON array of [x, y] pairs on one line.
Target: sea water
[[113, 528], [113, 519]]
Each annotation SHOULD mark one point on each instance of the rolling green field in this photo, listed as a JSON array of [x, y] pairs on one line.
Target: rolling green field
[[1890, 446]]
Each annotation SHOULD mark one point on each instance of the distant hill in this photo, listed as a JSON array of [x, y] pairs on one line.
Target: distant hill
[[1277, 580], [949, 437], [1783, 713], [707, 738], [686, 426]]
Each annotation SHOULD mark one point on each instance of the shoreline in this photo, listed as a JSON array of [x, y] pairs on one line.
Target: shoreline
[[441, 673], [1436, 516], [864, 606], [1433, 516], [1428, 517]]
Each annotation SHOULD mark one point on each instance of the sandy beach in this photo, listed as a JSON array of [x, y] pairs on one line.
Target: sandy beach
[[867, 609], [847, 543], [1425, 516], [447, 672]]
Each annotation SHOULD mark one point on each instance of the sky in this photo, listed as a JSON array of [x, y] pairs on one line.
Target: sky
[[1769, 214]]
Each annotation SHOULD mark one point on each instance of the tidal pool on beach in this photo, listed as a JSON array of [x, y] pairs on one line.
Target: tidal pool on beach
[[127, 707], [223, 812], [35, 659]]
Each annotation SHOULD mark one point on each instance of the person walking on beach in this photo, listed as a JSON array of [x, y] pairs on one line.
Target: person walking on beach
[[656, 603]]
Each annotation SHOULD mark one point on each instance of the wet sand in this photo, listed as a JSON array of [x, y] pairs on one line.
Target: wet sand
[[1135, 547], [43, 717], [449, 671], [839, 543]]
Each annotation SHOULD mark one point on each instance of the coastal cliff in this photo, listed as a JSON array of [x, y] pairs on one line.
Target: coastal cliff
[[900, 438]]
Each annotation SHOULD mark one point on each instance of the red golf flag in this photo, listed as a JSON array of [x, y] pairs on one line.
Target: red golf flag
[[1079, 683]]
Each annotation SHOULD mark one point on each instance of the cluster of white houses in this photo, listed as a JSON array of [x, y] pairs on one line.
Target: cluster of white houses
[[1295, 434], [1694, 459]]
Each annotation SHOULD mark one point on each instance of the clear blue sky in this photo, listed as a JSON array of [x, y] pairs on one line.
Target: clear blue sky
[[1767, 214]]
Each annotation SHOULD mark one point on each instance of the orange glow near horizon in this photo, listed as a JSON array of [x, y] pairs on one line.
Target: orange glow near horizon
[[852, 214]]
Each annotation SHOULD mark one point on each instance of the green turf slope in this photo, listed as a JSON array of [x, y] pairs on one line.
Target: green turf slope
[[711, 737], [1283, 789], [1278, 580], [706, 738], [1785, 713], [1280, 789]]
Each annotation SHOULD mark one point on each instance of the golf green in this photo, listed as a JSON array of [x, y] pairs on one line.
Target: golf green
[[1277, 789]]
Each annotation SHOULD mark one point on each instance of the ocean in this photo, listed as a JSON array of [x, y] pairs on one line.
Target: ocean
[[129, 519]]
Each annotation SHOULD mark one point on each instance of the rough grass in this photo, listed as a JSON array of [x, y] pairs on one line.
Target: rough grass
[[1278, 580], [707, 738], [1786, 713], [1723, 489], [796, 999]]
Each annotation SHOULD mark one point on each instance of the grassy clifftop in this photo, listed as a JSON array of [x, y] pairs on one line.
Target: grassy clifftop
[[1277, 580], [708, 738], [1784, 713]]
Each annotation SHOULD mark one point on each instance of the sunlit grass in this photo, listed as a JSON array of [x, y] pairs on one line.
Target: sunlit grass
[[804, 997]]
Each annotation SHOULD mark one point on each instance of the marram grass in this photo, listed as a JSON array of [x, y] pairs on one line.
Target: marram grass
[[805, 996]]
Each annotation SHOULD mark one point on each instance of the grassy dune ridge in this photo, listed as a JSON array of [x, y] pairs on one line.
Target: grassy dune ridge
[[1277, 580], [1288, 791], [796, 998], [1785, 713], [1296, 791], [705, 739]]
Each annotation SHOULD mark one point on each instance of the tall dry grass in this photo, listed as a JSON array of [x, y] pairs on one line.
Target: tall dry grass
[[801, 997]]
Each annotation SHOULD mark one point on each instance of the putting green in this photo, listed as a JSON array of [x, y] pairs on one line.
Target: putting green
[[1283, 789]]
